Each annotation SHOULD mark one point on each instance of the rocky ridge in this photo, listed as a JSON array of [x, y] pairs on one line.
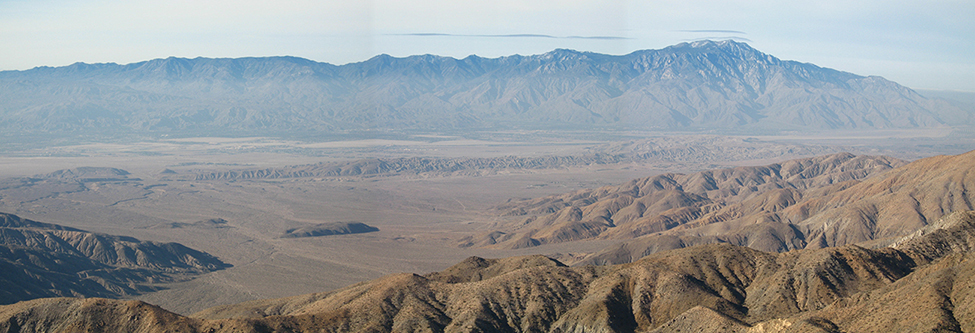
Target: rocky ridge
[[709, 287]]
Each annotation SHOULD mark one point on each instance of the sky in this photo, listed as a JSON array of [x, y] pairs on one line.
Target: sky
[[920, 44]]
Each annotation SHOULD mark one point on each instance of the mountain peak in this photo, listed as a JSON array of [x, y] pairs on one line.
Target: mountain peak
[[561, 54], [726, 48], [726, 45]]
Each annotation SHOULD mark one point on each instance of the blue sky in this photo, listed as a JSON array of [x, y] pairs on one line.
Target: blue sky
[[920, 44]]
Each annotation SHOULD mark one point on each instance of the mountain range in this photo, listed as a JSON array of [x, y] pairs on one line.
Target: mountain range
[[706, 85]]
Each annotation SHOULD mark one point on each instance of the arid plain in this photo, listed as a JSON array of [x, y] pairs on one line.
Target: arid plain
[[173, 187]]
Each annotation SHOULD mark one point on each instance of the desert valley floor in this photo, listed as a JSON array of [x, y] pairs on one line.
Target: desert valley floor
[[170, 189]]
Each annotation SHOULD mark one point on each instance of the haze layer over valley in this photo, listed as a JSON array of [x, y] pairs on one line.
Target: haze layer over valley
[[296, 177]]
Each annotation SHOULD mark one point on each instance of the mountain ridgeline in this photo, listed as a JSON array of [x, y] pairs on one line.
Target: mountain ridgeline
[[704, 85]]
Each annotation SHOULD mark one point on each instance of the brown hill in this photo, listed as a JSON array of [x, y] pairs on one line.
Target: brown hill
[[46, 260], [897, 203], [712, 287], [726, 201], [873, 212], [91, 315]]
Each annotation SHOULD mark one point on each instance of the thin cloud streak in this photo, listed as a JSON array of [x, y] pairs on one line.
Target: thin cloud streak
[[739, 39], [434, 34], [716, 31]]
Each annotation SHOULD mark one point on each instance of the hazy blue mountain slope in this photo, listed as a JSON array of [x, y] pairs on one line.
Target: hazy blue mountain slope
[[701, 85]]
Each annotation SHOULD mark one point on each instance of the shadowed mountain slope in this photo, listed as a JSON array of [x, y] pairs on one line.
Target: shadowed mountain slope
[[46, 260], [711, 287], [702, 85]]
